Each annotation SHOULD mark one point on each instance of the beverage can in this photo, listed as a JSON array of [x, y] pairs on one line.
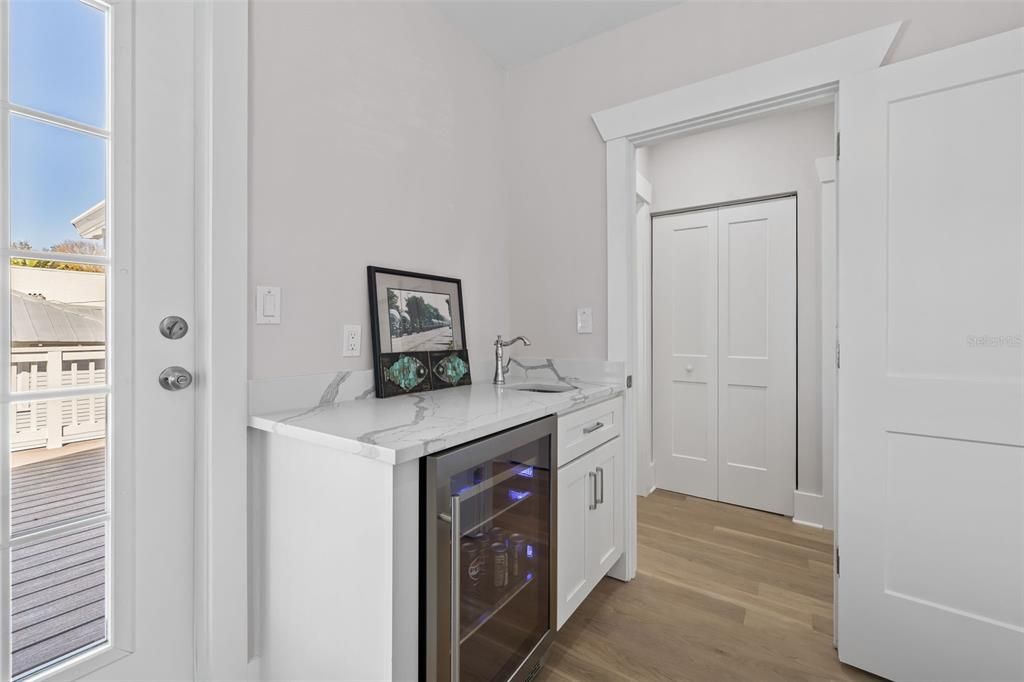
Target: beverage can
[[499, 565], [516, 555]]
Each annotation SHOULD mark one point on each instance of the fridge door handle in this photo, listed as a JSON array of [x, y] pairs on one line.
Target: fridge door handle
[[456, 633], [600, 471], [593, 481]]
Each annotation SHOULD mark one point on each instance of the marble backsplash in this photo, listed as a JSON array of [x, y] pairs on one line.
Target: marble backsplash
[[314, 390], [561, 370], [309, 390]]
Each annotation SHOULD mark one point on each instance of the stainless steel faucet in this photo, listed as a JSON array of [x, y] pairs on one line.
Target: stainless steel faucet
[[500, 366]]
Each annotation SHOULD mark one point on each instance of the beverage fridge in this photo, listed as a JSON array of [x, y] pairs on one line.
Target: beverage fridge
[[487, 574]]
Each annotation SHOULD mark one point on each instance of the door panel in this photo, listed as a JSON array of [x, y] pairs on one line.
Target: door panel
[[685, 320], [724, 349], [99, 459], [757, 354], [931, 404], [574, 501], [604, 525]]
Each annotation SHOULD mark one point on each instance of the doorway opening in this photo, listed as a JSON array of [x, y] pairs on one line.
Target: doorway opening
[[730, 222], [737, 264]]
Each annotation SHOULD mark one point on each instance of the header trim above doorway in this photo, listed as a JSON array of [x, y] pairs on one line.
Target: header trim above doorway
[[804, 77]]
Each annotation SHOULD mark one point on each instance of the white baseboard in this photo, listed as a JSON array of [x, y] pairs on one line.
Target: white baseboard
[[808, 509]]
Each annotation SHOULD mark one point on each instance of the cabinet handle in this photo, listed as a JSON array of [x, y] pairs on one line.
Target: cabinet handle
[[591, 429], [600, 470], [456, 631], [593, 478]]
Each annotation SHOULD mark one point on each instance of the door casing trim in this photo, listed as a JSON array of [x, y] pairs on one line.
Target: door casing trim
[[799, 80], [221, 628]]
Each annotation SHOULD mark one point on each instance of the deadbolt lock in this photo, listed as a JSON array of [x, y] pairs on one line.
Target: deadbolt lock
[[173, 327]]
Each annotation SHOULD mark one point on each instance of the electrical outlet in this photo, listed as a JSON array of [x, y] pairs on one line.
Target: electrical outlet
[[268, 305], [584, 321], [353, 339]]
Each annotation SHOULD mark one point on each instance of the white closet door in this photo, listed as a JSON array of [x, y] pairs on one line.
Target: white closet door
[[931, 404], [757, 354], [685, 349]]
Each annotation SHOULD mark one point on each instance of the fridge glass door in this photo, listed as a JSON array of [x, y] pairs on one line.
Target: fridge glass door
[[504, 558]]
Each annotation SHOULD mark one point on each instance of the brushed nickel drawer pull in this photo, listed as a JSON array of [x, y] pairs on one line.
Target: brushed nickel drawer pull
[[593, 477], [590, 429]]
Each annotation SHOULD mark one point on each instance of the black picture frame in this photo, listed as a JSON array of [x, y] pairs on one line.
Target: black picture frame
[[379, 281]]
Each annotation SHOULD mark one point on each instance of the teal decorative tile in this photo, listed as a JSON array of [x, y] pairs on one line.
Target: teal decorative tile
[[407, 372], [451, 369]]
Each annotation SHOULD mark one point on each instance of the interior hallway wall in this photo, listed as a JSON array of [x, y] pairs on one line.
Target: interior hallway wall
[[558, 158], [769, 155], [377, 138]]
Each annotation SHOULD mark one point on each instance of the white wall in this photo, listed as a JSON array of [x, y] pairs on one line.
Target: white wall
[[769, 155], [381, 135], [558, 158], [66, 286], [377, 138]]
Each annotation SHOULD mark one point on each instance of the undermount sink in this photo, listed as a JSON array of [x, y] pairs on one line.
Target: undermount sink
[[541, 388]]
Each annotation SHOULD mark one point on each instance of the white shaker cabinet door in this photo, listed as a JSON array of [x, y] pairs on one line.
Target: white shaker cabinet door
[[604, 521], [575, 499]]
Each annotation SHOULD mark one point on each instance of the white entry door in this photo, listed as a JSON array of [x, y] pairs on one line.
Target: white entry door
[[724, 349], [931, 402], [97, 237]]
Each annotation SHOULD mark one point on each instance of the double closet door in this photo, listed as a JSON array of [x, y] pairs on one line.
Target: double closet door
[[724, 353]]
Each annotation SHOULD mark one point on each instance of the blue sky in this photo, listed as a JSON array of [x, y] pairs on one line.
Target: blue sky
[[57, 65]]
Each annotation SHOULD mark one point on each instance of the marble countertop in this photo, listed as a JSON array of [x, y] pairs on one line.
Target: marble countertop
[[405, 428]]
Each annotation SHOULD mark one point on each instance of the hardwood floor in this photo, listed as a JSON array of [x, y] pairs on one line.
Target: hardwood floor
[[721, 593]]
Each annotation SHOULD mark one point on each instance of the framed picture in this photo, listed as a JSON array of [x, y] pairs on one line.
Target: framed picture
[[418, 331]]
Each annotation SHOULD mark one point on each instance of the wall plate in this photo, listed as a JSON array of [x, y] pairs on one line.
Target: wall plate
[[268, 305], [584, 321]]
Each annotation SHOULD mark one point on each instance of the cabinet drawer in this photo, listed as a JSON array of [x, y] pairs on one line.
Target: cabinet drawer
[[581, 431]]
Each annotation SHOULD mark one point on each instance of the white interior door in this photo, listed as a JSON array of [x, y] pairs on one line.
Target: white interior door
[[685, 352], [931, 404], [757, 354], [724, 348], [97, 233]]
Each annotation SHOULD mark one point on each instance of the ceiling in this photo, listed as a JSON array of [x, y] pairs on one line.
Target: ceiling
[[514, 32]]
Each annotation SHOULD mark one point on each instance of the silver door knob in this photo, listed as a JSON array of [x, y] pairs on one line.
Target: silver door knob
[[689, 368], [175, 378]]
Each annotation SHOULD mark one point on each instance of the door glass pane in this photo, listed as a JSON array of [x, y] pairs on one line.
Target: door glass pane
[[57, 309], [505, 511], [58, 59], [58, 188], [58, 325], [58, 597], [58, 470]]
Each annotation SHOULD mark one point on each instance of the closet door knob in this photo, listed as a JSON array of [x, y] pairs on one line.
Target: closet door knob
[[689, 368]]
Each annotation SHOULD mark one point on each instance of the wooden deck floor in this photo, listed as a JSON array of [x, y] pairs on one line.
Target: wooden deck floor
[[721, 593], [58, 600]]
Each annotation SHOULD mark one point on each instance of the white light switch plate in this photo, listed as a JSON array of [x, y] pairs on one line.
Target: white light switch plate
[[584, 321], [268, 305], [353, 340]]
